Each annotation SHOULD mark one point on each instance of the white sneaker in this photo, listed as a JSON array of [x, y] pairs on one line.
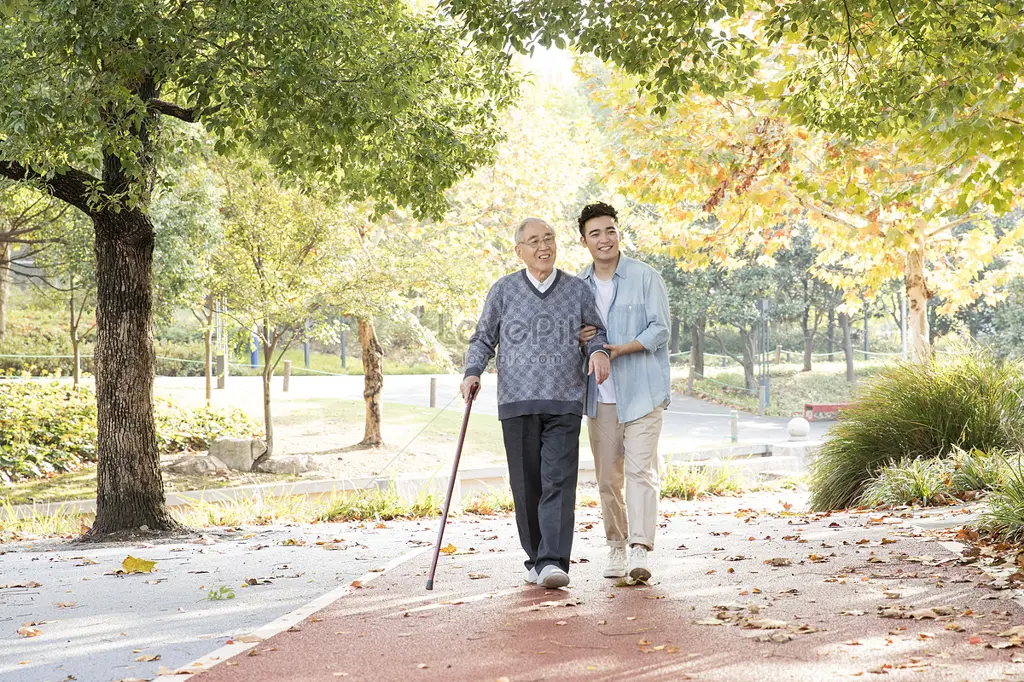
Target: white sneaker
[[552, 576], [531, 576], [616, 563], [638, 564]]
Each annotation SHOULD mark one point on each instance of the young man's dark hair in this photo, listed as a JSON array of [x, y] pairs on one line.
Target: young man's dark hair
[[595, 211]]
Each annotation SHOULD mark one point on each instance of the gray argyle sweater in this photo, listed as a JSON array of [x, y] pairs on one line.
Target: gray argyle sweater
[[540, 367]]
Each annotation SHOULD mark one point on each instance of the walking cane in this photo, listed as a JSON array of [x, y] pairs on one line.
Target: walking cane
[[451, 485]]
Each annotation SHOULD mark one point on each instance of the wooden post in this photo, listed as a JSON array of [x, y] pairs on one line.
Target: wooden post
[[433, 391], [222, 370], [689, 377], [287, 374], [734, 426], [778, 354]]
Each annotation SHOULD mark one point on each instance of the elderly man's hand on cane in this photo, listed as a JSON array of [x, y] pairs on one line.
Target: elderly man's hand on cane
[[470, 386]]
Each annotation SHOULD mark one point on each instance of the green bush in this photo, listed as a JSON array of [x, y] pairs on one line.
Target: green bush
[[1004, 516], [936, 480], [45, 428], [179, 429], [48, 428], [917, 411]]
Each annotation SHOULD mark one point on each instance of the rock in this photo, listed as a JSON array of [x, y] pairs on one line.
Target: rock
[[291, 464], [239, 454], [197, 465]]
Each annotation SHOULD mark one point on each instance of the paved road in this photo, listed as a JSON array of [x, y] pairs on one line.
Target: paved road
[[710, 614], [689, 422]]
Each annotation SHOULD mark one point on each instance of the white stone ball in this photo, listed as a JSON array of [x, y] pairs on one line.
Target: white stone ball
[[798, 428]]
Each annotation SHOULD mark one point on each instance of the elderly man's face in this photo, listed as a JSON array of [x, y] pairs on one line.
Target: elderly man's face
[[536, 248]]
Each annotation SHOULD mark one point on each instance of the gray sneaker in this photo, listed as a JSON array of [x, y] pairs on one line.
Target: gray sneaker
[[531, 576], [552, 576]]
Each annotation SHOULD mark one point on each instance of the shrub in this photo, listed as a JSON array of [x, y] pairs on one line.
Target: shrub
[[1005, 513], [179, 428], [691, 482], [48, 428], [919, 411], [45, 428]]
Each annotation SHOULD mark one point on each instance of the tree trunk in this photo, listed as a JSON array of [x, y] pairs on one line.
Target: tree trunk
[[917, 302], [208, 349], [844, 324], [749, 354], [373, 373], [268, 422], [129, 488], [831, 334], [697, 330], [5, 285], [76, 354], [805, 325], [674, 343]]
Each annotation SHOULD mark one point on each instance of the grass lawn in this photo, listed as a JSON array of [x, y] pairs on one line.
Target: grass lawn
[[329, 430], [790, 387], [329, 362]]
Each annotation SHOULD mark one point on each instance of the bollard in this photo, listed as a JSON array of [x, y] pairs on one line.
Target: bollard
[[287, 373], [689, 381], [433, 391], [734, 426], [222, 370], [723, 362], [762, 399]]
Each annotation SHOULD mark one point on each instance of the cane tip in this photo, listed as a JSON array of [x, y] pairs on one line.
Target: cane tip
[[430, 584]]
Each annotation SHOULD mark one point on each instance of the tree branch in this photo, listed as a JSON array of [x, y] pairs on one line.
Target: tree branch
[[160, 106], [70, 186]]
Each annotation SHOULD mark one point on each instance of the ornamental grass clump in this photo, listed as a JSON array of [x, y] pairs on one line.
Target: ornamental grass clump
[[1004, 516], [965, 401]]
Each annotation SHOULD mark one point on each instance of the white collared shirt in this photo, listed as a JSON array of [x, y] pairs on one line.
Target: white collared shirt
[[539, 285]]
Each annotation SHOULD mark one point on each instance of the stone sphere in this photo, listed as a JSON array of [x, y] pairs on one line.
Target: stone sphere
[[798, 428]]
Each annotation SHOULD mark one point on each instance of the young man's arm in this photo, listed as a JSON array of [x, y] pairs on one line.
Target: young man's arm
[[599, 362], [656, 334], [483, 343]]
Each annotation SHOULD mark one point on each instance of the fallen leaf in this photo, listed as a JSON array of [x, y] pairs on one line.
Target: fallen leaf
[[29, 585], [478, 576], [931, 612], [765, 624], [26, 631], [356, 584], [422, 666], [133, 564], [447, 549], [249, 639], [149, 658], [779, 561]]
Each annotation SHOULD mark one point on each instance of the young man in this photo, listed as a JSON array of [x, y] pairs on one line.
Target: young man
[[624, 413], [532, 318]]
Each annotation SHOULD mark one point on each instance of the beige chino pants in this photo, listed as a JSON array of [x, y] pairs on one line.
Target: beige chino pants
[[626, 455]]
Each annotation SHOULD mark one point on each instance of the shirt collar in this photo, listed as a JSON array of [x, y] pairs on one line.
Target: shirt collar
[[620, 269], [539, 285]]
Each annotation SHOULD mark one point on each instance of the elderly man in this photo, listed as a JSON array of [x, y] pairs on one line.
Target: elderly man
[[532, 319], [624, 414]]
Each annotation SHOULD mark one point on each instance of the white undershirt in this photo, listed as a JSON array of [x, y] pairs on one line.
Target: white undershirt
[[604, 292], [540, 286]]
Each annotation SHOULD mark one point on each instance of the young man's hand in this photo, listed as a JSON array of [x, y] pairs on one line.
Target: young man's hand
[[600, 366], [587, 332]]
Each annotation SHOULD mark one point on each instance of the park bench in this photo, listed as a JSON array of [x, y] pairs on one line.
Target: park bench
[[822, 411]]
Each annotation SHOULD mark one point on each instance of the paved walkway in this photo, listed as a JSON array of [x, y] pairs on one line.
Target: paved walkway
[[743, 590]]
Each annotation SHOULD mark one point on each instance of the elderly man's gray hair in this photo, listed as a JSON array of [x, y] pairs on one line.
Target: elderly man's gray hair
[[518, 235]]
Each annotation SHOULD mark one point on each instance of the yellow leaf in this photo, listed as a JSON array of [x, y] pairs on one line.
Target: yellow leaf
[[448, 549], [133, 564]]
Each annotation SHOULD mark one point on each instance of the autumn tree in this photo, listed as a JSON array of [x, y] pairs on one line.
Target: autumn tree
[[379, 100], [274, 267], [917, 102]]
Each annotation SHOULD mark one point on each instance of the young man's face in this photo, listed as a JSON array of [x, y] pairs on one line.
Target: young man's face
[[601, 237]]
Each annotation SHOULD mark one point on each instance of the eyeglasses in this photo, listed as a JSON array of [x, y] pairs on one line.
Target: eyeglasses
[[535, 243]]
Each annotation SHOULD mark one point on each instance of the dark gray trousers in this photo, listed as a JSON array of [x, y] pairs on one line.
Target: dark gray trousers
[[543, 452]]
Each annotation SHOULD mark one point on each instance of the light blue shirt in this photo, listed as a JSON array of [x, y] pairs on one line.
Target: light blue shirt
[[639, 310]]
